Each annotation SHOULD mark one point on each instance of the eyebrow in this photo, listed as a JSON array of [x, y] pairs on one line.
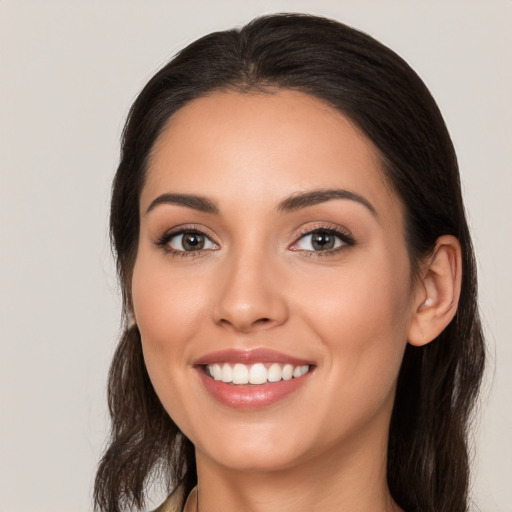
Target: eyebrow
[[313, 197], [293, 203], [193, 201]]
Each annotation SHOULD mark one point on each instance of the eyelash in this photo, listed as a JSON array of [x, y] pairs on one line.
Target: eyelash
[[344, 236], [164, 240]]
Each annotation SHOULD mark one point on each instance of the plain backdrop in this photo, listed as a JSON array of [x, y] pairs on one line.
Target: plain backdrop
[[69, 71]]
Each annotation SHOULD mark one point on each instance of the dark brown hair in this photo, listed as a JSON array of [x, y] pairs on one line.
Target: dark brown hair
[[428, 467]]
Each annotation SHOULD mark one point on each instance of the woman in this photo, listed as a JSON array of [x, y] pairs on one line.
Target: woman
[[299, 282]]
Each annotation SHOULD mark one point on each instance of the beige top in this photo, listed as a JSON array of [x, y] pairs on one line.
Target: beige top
[[171, 504]]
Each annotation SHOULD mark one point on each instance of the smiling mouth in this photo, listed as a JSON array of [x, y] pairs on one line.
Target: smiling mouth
[[256, 374], [252, 379]]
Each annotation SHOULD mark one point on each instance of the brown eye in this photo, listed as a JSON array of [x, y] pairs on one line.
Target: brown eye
[[190, 241], [320, 240]]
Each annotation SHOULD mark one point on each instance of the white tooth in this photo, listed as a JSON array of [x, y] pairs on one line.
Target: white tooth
[[257, 374], [240, 374], [304, 369], [296, 371], [274, 373], [216, 371], [227, 373], [287, 372]]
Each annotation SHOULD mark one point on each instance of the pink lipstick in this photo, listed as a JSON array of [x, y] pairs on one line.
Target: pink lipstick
[[250, 379]]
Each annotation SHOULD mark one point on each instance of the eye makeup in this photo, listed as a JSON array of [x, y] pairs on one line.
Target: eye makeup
[[194, 241], [325, 240], [318, 240]]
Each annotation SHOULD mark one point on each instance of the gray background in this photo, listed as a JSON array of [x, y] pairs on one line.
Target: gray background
[[69, 71]]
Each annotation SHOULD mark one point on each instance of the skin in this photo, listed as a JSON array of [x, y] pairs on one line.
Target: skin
[[260, 283]]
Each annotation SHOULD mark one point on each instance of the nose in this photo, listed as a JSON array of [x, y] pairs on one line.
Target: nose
[[251, 295]]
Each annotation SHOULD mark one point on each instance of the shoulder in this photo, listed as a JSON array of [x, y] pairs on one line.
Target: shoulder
[[172, 503]]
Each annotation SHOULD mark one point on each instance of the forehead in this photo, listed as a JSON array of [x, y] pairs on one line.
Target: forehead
[[261, 147]]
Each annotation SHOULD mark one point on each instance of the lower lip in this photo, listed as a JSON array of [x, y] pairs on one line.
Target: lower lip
[[251, 396]]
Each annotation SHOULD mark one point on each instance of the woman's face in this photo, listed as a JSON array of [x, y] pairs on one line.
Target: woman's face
[[270, 245]]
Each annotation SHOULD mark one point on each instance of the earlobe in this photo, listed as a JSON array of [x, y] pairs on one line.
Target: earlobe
[[438, 292]]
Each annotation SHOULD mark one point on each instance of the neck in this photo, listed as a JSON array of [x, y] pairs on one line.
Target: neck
[[352, 480]]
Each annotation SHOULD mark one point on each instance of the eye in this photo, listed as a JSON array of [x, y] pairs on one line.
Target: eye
[[187, 241], [322, 240]]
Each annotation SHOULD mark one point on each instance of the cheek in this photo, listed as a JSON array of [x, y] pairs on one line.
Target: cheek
[[362, 324], [165, 305], [362, 317], [166, 308]]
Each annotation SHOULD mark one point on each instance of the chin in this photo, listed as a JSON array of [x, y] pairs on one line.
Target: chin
[[253, 449], [254, 459]]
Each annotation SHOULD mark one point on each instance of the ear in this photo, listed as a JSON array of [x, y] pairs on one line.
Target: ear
[[437, 293]]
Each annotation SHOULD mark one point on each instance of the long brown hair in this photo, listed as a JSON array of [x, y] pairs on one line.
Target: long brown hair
[[428, 467]]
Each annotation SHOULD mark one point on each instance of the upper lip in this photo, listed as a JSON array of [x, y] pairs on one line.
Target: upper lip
[[251, 356]]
